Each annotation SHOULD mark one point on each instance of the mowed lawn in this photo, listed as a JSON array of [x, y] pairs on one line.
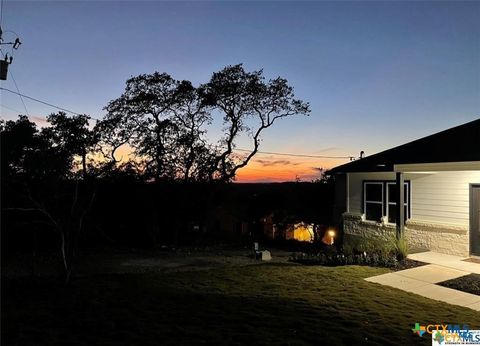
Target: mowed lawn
[[282, 304]]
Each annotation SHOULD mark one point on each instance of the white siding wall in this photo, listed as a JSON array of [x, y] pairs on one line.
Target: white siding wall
[[440, 197], [443, 196]]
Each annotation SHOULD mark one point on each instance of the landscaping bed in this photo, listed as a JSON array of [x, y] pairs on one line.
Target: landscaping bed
[[468, 283], [373, 260], [387, 253], [408, 264]]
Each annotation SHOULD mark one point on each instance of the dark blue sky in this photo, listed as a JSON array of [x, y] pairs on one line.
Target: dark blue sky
[[377, 74]]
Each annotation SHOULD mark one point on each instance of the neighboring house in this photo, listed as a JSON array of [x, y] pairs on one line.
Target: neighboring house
[[440, 180]]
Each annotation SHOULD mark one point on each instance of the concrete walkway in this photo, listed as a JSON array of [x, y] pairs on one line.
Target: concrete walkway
[[444, 260], [422, 280]]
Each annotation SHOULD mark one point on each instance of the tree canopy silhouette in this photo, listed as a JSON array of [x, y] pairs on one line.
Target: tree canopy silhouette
[[165, 121], [29, 154], [249, 105], [73, 135]]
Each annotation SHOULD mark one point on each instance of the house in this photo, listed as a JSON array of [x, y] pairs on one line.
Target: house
[[429, 189]]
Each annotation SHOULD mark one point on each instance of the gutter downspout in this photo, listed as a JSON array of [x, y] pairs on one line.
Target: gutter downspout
[[400, 201]]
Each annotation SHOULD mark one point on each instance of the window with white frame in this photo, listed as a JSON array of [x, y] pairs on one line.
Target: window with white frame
[[391, 209], [373, 200], [379, 200]]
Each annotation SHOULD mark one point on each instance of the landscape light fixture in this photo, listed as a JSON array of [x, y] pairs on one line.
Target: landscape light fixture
[[329, 236]]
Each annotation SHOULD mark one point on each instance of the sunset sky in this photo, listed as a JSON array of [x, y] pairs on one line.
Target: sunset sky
[[377, 74]]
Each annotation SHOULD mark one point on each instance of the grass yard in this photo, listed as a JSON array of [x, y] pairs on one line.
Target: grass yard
[[258, 304]]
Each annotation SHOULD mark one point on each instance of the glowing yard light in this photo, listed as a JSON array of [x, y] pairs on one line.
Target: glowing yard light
[[329, 237]]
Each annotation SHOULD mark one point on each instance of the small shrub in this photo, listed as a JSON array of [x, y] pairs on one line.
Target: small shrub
[[401, 247], [393, 262], [387, 247]]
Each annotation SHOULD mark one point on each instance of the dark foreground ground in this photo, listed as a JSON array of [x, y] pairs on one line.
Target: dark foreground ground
[[216, 298]]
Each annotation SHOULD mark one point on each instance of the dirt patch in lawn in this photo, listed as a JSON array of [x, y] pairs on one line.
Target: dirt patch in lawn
[[468, 283]]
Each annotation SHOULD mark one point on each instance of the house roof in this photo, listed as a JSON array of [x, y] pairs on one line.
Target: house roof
[[457, 144]]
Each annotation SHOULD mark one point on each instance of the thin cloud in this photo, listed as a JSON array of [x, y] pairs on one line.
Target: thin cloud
[[270, 163], [327, 149], [40, 121]]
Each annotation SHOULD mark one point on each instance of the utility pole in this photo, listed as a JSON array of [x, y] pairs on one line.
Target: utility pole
[[7, 59]]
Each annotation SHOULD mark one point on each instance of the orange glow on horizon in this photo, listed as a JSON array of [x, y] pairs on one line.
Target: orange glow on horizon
[[262, 168], [268, 168], [274, 170]]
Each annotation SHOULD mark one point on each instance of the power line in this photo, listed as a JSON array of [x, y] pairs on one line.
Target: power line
[[297, 155], [40, 101], [18, 91], [239, 149]]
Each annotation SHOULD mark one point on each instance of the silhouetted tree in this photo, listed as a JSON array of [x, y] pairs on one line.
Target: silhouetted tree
[[193, 155], [73, 135], [323, 178], [249, 105], [165, 121], [142, 117], [35, 168], [27, 154], [18, 139]]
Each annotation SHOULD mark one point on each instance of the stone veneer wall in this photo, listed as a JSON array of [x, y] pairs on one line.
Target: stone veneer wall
[[446, 239]]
